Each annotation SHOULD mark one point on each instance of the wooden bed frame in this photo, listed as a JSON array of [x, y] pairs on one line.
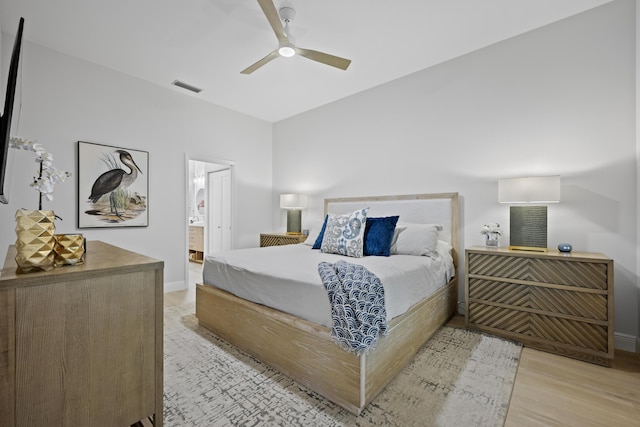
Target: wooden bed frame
[[306, 352]]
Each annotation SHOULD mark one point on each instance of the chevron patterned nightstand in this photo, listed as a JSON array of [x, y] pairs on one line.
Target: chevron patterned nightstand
[[557, 302], [275, 239]]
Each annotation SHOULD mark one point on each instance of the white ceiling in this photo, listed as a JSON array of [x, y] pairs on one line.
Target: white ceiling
[[206, 43]]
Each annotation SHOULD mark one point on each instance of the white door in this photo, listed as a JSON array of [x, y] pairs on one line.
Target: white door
[[219, 221]]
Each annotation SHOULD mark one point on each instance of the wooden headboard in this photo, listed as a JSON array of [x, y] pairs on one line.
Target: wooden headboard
[[438, 208]]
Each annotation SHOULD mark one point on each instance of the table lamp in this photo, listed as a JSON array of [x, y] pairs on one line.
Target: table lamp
[[528, 220], [293, 203]]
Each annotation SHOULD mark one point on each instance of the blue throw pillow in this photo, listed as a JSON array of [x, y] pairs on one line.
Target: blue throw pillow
[[378, 235], [318, 242]]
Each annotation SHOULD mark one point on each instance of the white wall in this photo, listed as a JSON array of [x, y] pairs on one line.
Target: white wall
[[558, 100], [65, 100], [638, 164]]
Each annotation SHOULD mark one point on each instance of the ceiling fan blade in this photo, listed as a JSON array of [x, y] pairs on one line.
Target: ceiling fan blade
[[325, 58], [251, 68], [271, 13]]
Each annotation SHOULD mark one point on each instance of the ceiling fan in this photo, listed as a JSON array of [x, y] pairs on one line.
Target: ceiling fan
[[286, 45]]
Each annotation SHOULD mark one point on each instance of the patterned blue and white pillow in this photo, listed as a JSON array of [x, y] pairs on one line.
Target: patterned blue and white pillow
[[344, 234]]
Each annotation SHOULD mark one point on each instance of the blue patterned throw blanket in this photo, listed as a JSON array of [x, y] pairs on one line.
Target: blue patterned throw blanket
[[357, 305]]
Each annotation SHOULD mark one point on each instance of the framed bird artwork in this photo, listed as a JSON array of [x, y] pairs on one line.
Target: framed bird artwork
[[113, 186]]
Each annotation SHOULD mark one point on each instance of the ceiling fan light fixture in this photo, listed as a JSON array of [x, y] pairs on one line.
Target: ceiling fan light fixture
[[286, 44], [287, 51]]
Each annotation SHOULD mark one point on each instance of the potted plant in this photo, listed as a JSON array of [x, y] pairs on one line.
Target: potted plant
[[35, 229], [492, 233]]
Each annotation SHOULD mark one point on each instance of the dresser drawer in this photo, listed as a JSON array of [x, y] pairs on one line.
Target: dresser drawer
[[586, 305], [552, 329], [591, 275]]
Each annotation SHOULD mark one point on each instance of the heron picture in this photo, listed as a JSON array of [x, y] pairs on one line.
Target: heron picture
[[113, 186]]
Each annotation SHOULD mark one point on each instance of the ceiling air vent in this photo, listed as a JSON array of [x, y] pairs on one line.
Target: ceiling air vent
[[186, 86]]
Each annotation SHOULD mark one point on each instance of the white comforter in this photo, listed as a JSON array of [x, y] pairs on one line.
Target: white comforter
[[286, 278]]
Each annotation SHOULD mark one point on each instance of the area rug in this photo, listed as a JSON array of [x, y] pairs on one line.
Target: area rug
[[458, 378]]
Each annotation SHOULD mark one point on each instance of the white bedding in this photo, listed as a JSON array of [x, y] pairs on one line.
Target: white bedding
[[286, 278]]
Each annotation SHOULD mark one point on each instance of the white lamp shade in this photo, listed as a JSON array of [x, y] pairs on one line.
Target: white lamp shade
[[536, 189], [293, 201]]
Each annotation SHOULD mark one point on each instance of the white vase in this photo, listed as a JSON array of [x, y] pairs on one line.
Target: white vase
[[492, 240]]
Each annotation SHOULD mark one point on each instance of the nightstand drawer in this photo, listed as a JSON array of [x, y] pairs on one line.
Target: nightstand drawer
[[586, 305], [592, 275], [541, 328]]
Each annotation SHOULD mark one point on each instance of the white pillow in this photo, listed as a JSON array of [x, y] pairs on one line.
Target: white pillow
[[314, 231], [396, 232], [416, 239], [344, 234], [444, 247]]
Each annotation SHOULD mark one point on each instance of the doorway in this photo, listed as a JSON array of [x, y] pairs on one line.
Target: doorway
[[209, 205], [219, 212]]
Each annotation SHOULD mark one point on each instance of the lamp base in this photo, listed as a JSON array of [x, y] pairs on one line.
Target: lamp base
[[294, 221], [528, 228]]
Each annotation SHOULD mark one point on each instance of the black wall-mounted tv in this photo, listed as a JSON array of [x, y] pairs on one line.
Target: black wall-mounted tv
[[7, 113]]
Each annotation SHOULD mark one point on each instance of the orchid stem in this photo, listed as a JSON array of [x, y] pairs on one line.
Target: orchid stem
[[39, 192]]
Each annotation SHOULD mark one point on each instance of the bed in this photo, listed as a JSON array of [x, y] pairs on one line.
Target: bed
[[303, 348]]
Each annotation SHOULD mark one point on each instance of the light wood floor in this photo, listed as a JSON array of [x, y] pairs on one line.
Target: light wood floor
[[551, 390]]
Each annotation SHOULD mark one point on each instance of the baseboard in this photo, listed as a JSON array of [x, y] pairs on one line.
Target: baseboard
[[174, 286], [626, 342]]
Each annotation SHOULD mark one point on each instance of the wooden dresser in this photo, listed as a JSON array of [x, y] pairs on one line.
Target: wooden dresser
[[561, 303], [82, 345], [276, 239]]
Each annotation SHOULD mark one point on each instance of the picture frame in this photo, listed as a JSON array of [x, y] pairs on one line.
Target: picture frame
[[113, 186]]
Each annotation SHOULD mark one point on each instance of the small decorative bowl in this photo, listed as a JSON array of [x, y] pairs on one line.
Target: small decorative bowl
[[565, 247]]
